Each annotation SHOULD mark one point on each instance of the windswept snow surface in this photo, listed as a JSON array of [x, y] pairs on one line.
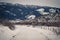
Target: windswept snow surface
[[23, 32]]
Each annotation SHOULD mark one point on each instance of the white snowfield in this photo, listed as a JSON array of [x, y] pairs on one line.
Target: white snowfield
[[22, 32]]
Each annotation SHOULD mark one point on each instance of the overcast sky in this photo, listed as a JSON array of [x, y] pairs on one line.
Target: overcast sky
[[53, 3]]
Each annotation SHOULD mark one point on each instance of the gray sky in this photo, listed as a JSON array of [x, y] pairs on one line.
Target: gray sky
[[53, 3]]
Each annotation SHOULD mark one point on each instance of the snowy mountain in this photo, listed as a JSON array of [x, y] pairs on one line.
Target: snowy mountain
[[28, 14], [29, 22], [16, 11], [19, 11]]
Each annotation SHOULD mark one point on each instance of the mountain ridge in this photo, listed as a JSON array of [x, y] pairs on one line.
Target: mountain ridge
[[19, 11]]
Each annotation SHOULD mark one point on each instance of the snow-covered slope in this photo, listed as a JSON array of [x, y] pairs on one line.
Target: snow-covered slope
[[23, 32], [19, 11]]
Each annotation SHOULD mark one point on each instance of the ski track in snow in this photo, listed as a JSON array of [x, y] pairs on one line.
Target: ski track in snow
[[22, 32]]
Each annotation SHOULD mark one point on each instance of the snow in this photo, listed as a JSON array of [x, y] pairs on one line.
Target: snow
[[41, 10], [23, 32], [43, 13], [20, 9], [10, 12], [31, 17], [22, 13], [13, 14], [52, 10], [3, 7], [7, 11], [15, 21]]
